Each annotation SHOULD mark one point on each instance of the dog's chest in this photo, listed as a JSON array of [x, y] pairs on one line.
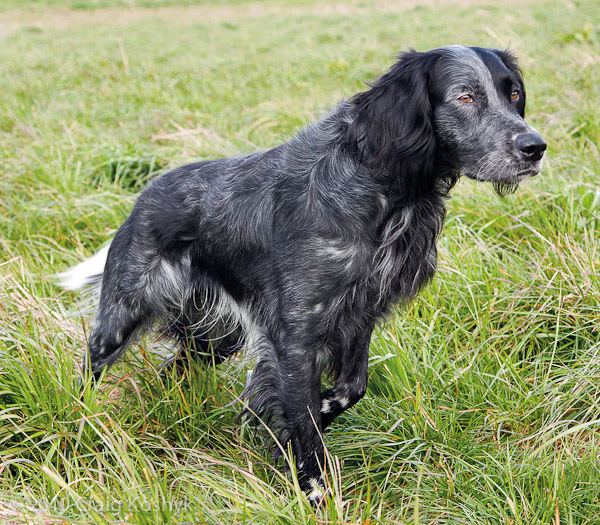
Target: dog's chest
[[405, 255]]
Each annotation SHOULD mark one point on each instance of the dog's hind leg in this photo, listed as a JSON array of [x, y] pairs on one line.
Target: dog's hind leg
[[120, 316], [115, 326], [351, 379], [125, 302]]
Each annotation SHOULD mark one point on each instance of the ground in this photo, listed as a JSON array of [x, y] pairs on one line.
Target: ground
[[484, 397]]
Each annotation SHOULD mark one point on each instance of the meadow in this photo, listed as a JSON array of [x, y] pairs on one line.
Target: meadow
[[483, 404]]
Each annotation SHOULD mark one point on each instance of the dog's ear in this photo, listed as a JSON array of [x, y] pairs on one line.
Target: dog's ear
[[510, 61], [392, 125]]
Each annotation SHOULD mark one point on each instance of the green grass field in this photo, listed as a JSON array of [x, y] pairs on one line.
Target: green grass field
[[484, 397]]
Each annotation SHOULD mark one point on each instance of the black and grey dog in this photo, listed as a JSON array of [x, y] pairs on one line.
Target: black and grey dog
[[297, 252]]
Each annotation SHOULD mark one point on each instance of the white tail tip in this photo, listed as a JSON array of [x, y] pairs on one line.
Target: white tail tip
[[85, 273]]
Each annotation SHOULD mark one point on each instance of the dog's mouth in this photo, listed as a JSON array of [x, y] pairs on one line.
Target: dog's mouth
[[507, 182], [510, 185], [505, 188]]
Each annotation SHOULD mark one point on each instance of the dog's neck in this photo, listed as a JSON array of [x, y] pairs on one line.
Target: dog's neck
[[406, 178]]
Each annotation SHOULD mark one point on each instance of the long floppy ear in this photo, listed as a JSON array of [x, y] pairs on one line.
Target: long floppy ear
[[510, 61], [392, 127]]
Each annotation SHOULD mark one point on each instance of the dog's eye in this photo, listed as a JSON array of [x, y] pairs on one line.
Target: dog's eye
[[466, 98], [515, 95]]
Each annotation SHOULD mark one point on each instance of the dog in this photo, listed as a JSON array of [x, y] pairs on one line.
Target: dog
[[296, 253]]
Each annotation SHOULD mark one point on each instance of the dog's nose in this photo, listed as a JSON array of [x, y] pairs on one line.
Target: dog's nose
[[531, 145]]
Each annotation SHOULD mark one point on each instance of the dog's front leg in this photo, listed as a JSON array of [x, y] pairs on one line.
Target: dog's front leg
[[351, 381], [302, 403]]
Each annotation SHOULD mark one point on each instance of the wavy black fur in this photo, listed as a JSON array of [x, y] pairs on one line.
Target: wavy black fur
[[297, 252]]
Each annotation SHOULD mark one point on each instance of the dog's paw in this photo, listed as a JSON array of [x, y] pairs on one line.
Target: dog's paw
[[316, 492]]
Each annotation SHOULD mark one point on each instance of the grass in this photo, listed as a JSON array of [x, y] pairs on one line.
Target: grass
[[484, 398]]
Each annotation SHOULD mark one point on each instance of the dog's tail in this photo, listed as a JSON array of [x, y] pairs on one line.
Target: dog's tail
[[86, 273]]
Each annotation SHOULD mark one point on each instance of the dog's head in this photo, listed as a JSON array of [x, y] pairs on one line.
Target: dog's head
[[458, 107]]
